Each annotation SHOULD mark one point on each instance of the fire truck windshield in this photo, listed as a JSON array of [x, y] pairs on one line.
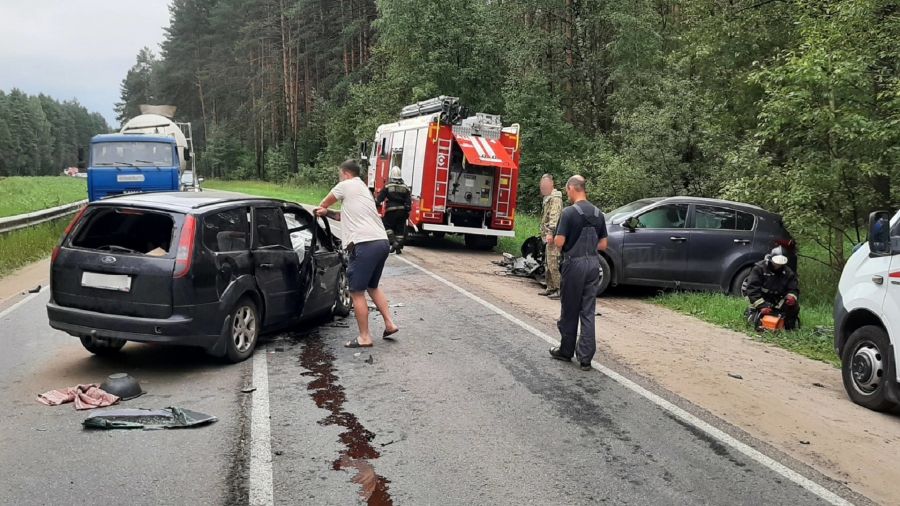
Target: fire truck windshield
[[134, 154]]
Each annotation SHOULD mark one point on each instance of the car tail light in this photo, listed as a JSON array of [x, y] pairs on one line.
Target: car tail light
[[66, 233], [185, 252], [789, 244]]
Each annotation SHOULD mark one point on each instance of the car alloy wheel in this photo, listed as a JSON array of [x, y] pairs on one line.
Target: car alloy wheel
[[244, 328], [344, 289], [867, 368]]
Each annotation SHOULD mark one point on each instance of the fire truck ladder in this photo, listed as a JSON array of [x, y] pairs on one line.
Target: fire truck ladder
[[502, 208], [442, 175]]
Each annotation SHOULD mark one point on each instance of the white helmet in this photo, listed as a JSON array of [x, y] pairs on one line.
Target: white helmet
[[396, 175]]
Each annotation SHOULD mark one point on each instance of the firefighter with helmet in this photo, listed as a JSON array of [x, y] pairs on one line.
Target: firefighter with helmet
[[773, 289], [399, 202]]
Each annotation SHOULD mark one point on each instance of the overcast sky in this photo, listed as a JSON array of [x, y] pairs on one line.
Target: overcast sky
[[76, 48]]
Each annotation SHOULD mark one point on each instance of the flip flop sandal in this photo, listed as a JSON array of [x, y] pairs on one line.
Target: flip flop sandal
[[387, 334], [356, 344]]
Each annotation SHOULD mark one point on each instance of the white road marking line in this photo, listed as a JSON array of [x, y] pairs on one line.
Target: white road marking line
[[22, 302], [261, 493], [717, 434]]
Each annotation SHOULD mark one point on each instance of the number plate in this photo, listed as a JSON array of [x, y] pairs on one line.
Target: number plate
[[130, 178], [116, 282]]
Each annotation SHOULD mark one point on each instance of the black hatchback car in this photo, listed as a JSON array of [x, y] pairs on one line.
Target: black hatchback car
[[691, 243], [208, 269]]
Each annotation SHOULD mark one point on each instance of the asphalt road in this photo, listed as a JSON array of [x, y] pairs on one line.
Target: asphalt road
[[466, 407]]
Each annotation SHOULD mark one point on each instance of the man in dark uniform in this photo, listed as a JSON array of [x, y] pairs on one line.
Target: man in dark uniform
[[399, 203], [580, 234], [773, 288]]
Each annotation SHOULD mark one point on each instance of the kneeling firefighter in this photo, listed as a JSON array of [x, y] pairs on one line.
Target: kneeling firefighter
[[396, 214], [773, 289]]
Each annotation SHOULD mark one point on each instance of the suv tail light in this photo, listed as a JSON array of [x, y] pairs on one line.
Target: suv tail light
[[65, 234], [185, 252], [788, 244]]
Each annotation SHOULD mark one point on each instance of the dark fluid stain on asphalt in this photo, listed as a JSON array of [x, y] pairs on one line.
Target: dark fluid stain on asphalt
[[358, 450]]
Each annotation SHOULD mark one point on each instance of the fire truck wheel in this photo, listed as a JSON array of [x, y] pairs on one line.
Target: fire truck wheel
[[481, 242]]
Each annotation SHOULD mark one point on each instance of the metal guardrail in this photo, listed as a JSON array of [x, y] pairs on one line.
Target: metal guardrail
[[11, 223]]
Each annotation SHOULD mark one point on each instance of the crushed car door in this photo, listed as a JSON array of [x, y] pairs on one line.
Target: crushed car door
[[277, 267], [327, 265]]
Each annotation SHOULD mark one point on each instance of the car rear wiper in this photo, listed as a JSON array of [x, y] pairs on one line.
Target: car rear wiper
[[113, 247]]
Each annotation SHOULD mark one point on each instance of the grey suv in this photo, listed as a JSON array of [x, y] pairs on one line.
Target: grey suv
[[692, 243]]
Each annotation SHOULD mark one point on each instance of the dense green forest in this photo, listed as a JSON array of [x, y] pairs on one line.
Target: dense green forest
[[790, 104], [40, 136]]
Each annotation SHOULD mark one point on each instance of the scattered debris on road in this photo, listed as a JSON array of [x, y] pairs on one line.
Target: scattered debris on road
[[35, 289], [248, 390], [736, 376], [87, 396], [147, 419], [123, 386], [523, 267], [817, 384], [804, 442]]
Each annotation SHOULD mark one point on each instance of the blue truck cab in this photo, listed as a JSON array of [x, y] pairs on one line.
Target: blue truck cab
[[132, 163]]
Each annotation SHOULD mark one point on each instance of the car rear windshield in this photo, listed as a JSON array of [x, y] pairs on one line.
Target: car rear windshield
[[125, 230]]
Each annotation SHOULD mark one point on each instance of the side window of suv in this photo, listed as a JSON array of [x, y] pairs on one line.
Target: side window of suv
[[895, 238], [668, 216], [227, 231], [270, 228], [722, 218]]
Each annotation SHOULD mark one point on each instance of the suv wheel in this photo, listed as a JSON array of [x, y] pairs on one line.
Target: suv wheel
[[867, 368], [606, 276], [739, 283], [343, 303], [242, 331], [102, 345]]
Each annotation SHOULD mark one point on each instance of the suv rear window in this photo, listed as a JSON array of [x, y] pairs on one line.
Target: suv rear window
[[227, 231], [721, 218], [125, 230]]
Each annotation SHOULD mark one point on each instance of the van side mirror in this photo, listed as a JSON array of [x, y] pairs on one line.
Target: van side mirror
[[81, 163], [880, 234]]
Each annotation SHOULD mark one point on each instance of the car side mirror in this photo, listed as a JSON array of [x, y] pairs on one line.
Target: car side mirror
[[879, 234], [632, 223], [81, 163]]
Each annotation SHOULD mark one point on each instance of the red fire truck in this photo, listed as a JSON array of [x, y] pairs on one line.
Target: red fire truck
[[463, 171]]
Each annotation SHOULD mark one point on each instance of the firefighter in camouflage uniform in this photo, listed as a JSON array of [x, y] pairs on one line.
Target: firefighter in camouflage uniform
[[399, 202], [552, 208]]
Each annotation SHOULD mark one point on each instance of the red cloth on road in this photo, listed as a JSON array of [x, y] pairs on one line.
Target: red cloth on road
[[88, 396]]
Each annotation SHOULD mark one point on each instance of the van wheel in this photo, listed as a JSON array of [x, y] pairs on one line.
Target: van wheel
[[606, 276], [738, 284], [343, 303], [242, 331], [480, 242], [102, 345], [867, 368]]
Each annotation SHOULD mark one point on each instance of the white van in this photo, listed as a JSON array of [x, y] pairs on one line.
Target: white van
[[867, 317]]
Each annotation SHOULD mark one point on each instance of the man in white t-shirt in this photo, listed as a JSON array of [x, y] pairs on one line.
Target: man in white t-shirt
[[366, 241]]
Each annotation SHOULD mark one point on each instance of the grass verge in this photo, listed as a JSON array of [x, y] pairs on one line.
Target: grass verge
[[21, 247], [27, 194], [301, 194]]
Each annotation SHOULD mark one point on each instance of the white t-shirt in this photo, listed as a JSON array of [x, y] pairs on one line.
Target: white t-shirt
[[360, 221]]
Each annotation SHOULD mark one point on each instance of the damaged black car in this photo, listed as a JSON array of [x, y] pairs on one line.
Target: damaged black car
[[211, 270]]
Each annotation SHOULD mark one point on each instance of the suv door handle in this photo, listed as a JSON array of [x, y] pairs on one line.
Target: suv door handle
[[878, 280], [742, 241], [677, 239], [266, 266]]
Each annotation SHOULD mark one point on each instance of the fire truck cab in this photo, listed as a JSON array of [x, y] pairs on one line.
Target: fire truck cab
[[463, 171]]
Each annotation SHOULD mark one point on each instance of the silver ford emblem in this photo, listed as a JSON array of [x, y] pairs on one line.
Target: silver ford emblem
[[108, 259]]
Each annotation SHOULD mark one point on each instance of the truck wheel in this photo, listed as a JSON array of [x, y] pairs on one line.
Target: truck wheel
[[242, 330], [481, 242], [867, 368], [343, 303], [102, 345], [738, 284], [606, 276]]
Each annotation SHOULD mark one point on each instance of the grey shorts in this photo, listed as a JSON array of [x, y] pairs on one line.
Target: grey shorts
[[367, 264]]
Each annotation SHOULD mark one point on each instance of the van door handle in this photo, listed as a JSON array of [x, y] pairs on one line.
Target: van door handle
[[677, 239], [742, 241], [266, 266], [878, 280]]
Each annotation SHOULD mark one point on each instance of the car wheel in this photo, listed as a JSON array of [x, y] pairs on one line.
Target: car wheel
[[606, 276], [480, 242], [343, 303], [867, 368], [102, 345], [739, 283], [242, 330]]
